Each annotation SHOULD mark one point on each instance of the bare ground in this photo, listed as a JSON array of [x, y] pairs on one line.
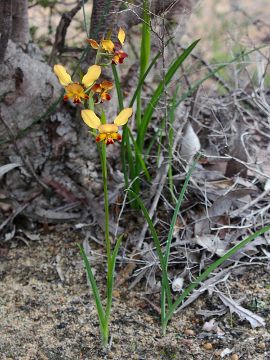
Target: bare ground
[[44, 317]]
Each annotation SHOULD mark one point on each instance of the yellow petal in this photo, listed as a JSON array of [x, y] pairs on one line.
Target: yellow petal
[[93, 43], [121, 36], [122, 117], [107, 45], [92, 75], [63, 77], [90, 118]]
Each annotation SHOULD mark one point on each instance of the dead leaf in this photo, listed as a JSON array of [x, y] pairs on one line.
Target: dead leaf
[[235, 167], [56, 216], [225, 352], [190, 143], [8, 167], [31, 236], [213, 244], [253, 319], [177, 284], [223, 203]]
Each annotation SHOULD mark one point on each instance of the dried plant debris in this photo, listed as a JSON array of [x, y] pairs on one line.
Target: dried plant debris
[[253, 319]]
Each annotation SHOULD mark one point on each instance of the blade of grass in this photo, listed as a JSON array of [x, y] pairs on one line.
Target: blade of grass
[[158, 92], [211, 268], [142, 79], [118, 87], [158, 247], [137, 154], [91, 278], [110, 276], [126, 151], [177, 208]]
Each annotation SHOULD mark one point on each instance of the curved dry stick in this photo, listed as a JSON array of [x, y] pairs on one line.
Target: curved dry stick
[[61, 30]]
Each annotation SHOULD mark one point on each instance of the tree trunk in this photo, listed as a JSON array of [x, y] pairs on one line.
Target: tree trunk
[[20, 26], [103, 19], [5, 26]]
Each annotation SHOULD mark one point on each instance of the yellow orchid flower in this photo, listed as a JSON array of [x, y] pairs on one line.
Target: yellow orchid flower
[[107, 132], [75, 90], [111, 48]]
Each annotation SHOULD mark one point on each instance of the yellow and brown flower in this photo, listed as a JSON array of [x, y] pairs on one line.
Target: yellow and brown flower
[[102, 90], [107, 132], [75, 90], [113, 49]]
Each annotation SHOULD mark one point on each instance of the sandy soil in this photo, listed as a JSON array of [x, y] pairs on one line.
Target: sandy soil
[[44, 317]]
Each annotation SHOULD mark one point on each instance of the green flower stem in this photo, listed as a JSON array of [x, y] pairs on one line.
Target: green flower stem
[[106, 199], [105, 331]]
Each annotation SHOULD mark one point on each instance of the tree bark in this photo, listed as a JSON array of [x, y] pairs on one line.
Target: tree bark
[[5, 26], [106, 16], [20, 25], [103, 18]]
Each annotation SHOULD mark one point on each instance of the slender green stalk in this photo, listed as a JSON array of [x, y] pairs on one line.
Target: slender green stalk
[[145, 54], [118, 87], [106, 199], [126, 151], [104, 316]]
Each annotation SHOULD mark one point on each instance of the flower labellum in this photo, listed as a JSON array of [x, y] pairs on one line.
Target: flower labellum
[[102, 90]]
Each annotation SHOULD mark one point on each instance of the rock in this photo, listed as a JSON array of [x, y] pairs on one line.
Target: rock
[[27, 86], [189, 332], [208, 346]]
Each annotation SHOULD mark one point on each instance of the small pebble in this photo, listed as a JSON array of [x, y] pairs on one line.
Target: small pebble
[[261, 345], [189, 332], [116, 294], [208, 346], [234, 357]]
